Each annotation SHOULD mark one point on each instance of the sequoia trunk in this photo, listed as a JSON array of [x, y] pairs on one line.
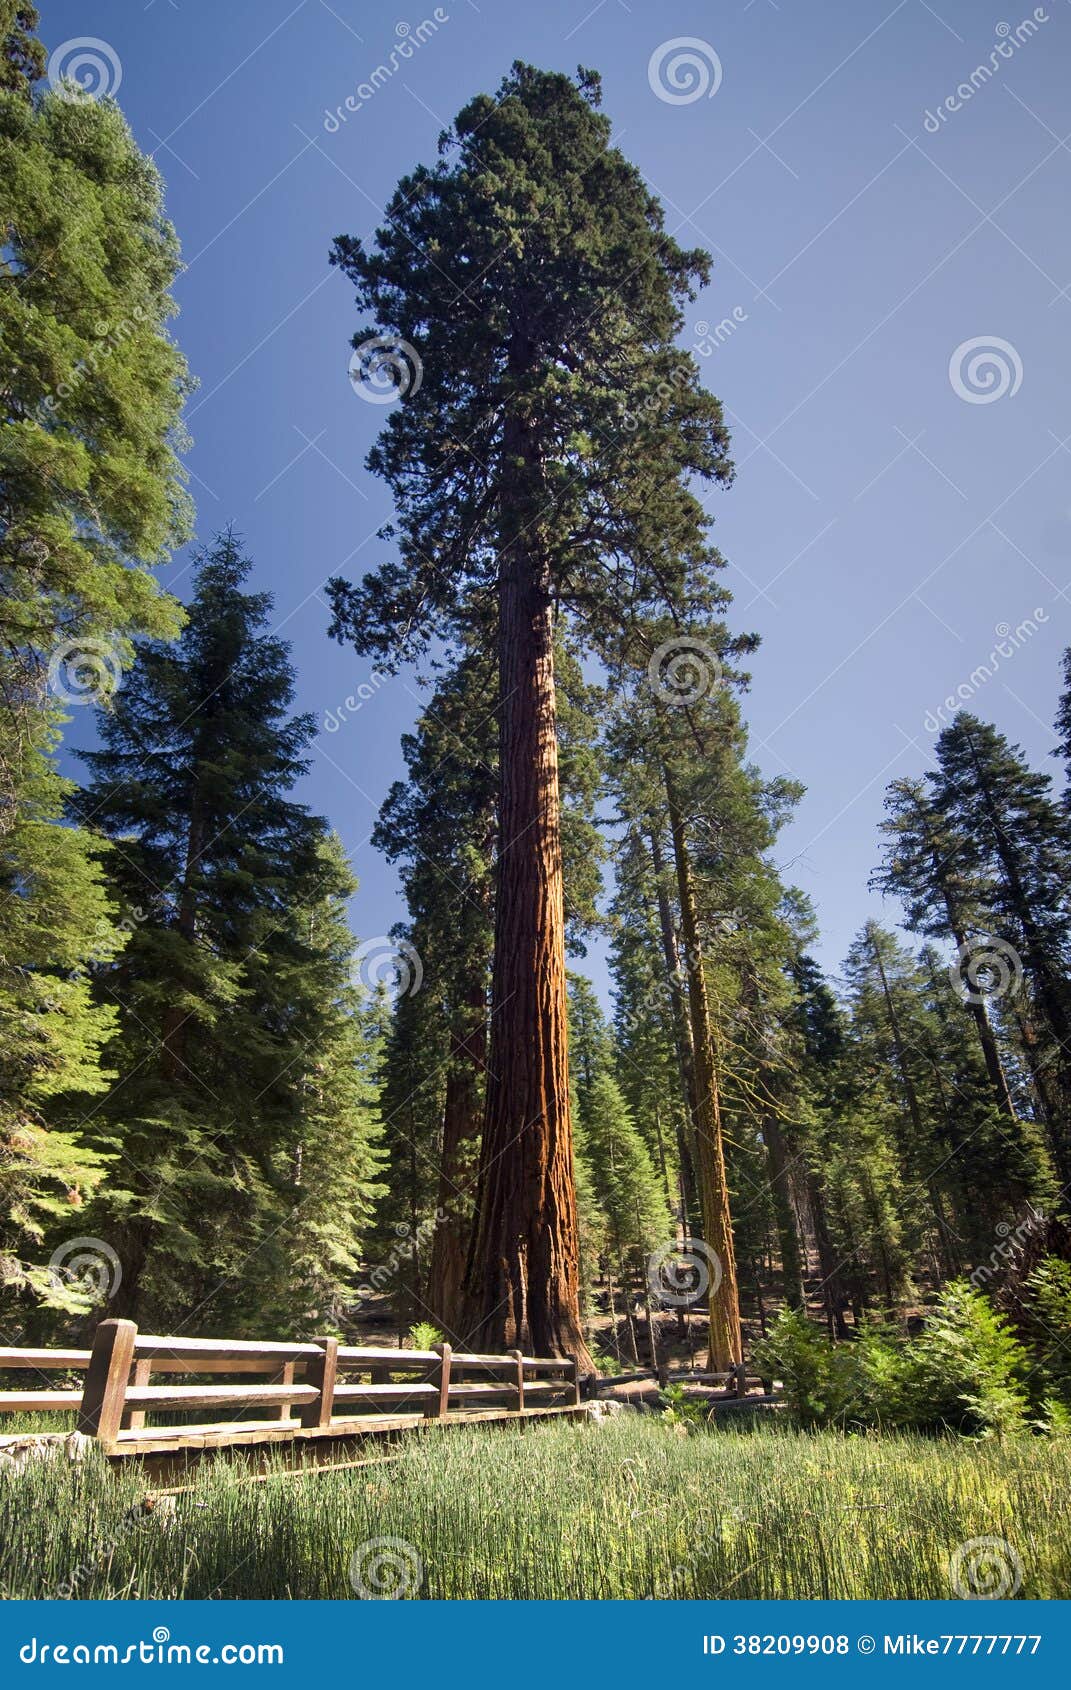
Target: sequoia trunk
[[522, 1281]]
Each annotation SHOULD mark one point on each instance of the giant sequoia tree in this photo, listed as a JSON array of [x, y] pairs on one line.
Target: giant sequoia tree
[[540, 466]]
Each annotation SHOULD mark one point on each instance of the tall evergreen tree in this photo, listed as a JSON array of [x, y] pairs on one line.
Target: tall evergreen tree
[[533, 267], [57, 919], [924, 866], [440, 825], [1014, 843], [230, 991], [90, 497], [90, 487], [624, 1180]]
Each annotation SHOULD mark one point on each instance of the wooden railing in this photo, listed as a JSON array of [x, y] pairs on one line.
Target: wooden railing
[[307, 1389]]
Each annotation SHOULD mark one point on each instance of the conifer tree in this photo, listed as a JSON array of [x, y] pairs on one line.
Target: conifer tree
[[91, 491], [1014, 843], [624, 1180], [924, 865], [90, 497], [230, 990], [531, 272], [57, 919]]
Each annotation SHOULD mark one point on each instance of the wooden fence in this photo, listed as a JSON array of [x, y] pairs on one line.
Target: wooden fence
[[303, 1391]]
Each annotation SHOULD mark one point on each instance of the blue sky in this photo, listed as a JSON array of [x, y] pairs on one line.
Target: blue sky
[[874, 232]]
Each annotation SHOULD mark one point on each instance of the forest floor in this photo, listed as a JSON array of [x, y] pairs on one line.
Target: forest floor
[[629, 1507]]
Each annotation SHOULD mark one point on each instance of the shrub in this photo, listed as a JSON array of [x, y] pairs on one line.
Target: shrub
[[679, 1408], [817, 1375], [424, 1336], [1046, 1318], [971, 1366], [965, 1371]]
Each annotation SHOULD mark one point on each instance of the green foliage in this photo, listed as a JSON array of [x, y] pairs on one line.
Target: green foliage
[[1046, 1320], [424, 1336], [971, 1366], [626, 1509], [90, 484], [57, 917], [244, 1131], [679, 1409], [630, 1215], [571, 298], [964, 1372], [606, 1365], [91, 497], [819, 1378]]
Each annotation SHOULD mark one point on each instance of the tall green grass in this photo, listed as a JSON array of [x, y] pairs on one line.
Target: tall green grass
[[627, 1508]]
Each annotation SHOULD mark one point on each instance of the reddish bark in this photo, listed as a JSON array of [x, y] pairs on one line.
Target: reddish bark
[[522, 1281]]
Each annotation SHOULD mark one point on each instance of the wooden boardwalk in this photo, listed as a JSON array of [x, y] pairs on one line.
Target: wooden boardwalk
[[316, 1399]]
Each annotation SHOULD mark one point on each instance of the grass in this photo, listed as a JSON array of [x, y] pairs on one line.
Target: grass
[[627, 1508]]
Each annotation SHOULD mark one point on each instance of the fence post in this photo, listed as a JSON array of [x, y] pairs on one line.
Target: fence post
[[572, 1373], [104, 1392], [518, 1357], [436, 1407], [284, 1376], [135, 1417], [320, 1371]]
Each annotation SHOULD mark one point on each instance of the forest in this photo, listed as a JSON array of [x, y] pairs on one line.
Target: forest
[[223, 1113]]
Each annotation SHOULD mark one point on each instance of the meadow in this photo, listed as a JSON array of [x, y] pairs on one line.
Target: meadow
[[634, 1507]]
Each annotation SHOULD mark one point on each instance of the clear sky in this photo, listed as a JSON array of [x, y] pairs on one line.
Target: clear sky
[[896, 500]]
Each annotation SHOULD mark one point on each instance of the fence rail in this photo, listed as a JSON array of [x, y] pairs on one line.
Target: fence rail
[[305, 1390]]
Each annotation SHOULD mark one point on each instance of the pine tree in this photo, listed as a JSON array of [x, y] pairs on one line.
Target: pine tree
[[57, 915], [22, 57], [232, 980], [440, 824], [1063, 725], [534, 269], [90, 497], [885, 994], [624, 1180], [90, 487], [925, 867], [326, 1167], [678, 774], [1013, 841]]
